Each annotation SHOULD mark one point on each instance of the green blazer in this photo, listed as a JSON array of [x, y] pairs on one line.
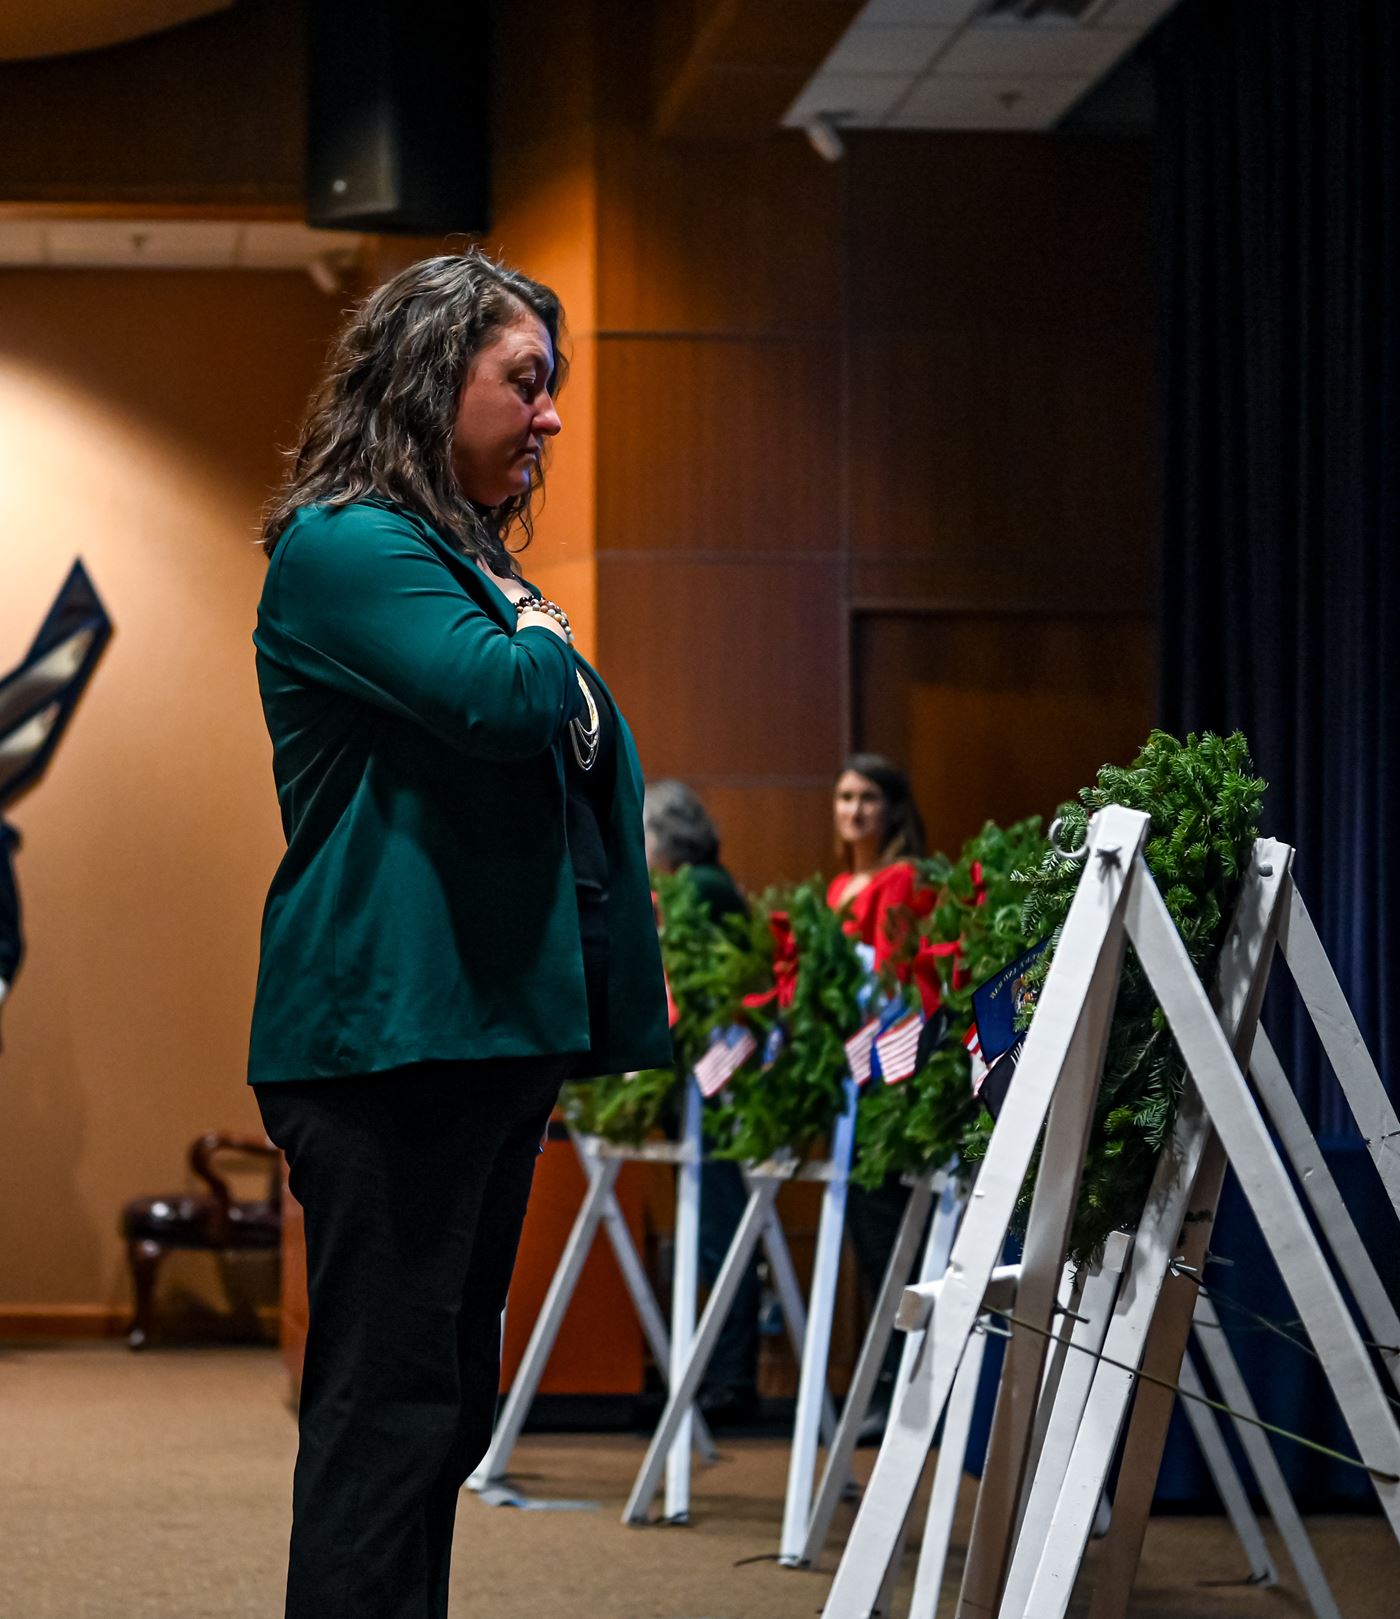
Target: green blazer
[[425, 907]]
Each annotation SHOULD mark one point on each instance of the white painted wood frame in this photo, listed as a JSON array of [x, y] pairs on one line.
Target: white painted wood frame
[[1079, 992]]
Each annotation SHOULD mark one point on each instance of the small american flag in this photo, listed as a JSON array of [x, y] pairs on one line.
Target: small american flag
[[858, 1049], [978, 1061], [898, 1048], [773, 1046], [728, 1051]]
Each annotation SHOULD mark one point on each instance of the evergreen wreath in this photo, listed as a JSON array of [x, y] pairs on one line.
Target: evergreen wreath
[[1005, 892], [799, 1002], [920, 1123], [1204, 802], [801, 1008], [708, 967]]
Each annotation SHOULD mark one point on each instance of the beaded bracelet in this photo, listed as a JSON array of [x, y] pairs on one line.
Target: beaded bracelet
[[542, 604]]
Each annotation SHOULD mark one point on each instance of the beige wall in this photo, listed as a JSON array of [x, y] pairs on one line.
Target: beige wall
[[139, 415]]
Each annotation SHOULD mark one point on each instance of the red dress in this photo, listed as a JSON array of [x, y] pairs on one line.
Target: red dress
[[879, 912]]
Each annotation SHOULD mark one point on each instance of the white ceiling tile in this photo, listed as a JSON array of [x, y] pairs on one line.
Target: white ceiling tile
[[21, 241], [1137, 15], [1011, 50], [930, 13], [937, 102], [850, 97], [132, 244], [893, 50]]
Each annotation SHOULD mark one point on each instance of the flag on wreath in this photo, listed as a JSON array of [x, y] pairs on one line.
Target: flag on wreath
[[773, 1047], [729, 1049], [897, 1049], [890, 1014], [858, 1050], [979, 1063]]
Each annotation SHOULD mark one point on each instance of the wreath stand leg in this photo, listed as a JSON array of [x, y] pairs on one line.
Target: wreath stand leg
[[491, 1471], [836, 1474], [686, 1383], [1092, 1312], [1047, 1236], [1358, 1076], [1215, 1348], [602, 1164], [947, 1476], [1210, 1439], [812, 1392], [792, 1305], [634, 1275], [1356, 1265], [685, 1284], [810, 1329]]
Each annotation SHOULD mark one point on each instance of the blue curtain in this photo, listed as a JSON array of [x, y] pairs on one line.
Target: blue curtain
[[1279, 216]]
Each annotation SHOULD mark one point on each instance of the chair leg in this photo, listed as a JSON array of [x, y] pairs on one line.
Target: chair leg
[[145, 1256]]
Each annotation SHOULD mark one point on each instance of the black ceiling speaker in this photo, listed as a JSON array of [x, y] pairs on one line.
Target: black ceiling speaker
[[398, 115]]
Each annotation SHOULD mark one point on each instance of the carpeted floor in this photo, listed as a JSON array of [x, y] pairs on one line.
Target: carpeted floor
[[156, 1487]]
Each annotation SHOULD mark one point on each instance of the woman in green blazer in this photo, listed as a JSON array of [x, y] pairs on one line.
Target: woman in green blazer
[[462, 918]]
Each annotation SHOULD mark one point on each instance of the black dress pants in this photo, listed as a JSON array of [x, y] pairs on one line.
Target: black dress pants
[[414, 1184]]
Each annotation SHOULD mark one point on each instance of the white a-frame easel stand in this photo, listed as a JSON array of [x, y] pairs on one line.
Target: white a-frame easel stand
[[1039, 1497], [674, 1351], [602, 1164]]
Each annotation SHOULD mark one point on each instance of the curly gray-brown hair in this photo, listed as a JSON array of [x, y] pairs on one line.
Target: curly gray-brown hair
[[380, 423], [679, 831]]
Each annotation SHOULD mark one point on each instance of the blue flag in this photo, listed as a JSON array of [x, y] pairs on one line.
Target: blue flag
[[996, 1003]]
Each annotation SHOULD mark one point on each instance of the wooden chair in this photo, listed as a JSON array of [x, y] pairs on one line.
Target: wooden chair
[[212, 1222]]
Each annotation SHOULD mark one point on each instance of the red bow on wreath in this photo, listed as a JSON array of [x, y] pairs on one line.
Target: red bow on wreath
[[897, 922], [784, 965], [979, 888], [923, 969]]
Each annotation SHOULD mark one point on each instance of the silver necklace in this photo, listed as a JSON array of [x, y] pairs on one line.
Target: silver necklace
[[584, 737]]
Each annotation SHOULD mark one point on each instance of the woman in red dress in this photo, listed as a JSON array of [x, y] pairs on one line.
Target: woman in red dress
[[879, 833]]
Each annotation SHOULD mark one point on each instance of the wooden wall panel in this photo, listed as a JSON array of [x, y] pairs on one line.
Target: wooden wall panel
[[908, 582], [709, 445], [724, 668], [997, 715], [210, 112], [997, 232], [1106, 438], [1003, 455], [948, 447], [924, 373], [739, 236], [772, 834]]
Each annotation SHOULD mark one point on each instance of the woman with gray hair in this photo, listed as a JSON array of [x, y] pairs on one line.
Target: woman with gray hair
[[679, 832], [678, 828]]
